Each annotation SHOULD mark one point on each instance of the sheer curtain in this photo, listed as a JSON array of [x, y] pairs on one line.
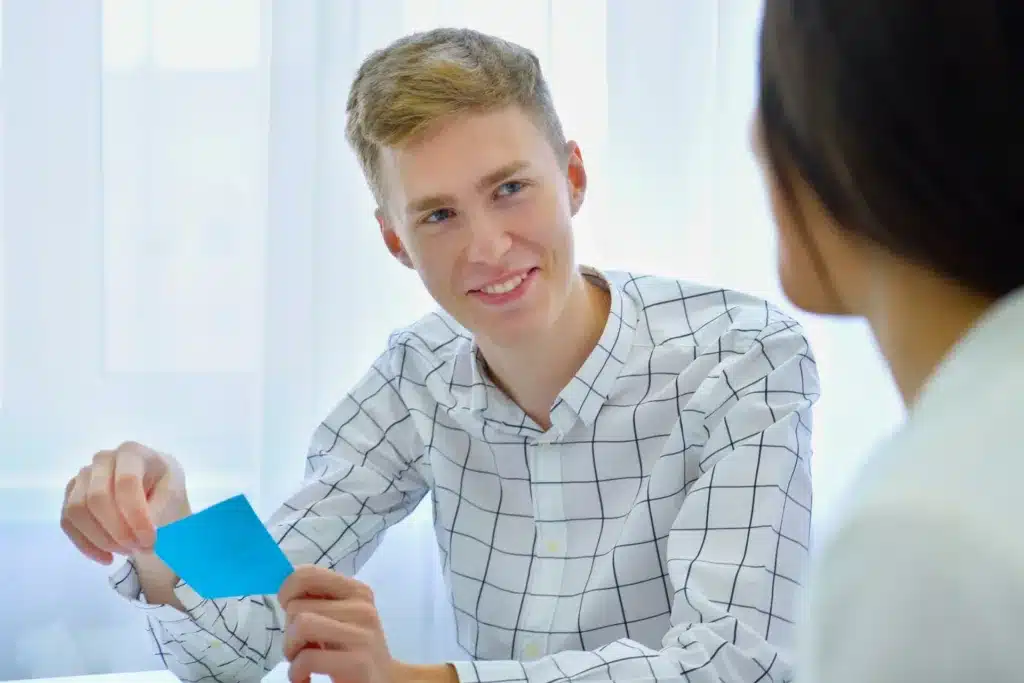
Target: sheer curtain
[[190, 258]]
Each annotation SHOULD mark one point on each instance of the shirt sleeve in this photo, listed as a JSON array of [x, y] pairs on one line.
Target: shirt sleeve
[[913, 595], [364, 473], [739, 544]]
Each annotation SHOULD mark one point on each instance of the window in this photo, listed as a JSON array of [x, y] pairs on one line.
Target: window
[[3, 166], [185, 123]]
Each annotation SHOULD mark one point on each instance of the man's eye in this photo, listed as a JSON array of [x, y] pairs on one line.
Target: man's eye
[[509, 188], [439, 216]]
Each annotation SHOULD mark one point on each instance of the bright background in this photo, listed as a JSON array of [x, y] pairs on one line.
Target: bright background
[[189, 257]]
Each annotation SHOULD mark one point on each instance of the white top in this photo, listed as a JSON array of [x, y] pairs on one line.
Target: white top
[[658, 530], [924, 577]]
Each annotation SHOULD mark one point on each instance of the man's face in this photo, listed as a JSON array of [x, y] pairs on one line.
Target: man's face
[[482, 208]]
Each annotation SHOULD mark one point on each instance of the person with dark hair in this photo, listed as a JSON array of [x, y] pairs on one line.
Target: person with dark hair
[[891, 134]]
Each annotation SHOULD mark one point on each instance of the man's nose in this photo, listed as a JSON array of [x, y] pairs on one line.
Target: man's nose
[[488, 242]]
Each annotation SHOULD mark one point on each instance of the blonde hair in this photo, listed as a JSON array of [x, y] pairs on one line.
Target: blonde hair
[[403, 89]]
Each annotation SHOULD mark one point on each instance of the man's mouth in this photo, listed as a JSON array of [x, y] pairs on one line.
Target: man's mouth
[[505, 285], [501, 289]]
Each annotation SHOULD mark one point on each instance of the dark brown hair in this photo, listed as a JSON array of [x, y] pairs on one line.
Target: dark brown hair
[[906, 119]]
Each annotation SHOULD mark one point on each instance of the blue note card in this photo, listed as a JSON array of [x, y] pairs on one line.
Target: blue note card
[[224, 551]]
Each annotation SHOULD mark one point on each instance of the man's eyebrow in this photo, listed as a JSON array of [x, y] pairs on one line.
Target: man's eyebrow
[[439, 201], [431, 203], [503, 173]]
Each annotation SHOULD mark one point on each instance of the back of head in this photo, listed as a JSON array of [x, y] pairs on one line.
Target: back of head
[[906, 119], [402, 90]]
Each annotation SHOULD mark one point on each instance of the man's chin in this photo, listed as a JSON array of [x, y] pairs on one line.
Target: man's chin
[[522, 328]]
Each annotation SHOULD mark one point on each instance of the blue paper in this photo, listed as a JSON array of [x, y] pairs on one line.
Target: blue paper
[[224, 551]]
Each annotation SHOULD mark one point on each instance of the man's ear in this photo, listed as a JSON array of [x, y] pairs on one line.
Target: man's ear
[[577, 176], [391, 239]]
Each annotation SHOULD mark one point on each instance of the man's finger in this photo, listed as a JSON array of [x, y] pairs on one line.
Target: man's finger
[[340, 665], [351, 611], [84, 545], [321, 632], [320, 582], [130, 497], [71, 487], [78, 515], [99, 499]]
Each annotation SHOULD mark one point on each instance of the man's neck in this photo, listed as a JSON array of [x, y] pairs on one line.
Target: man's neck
[[535, 374]]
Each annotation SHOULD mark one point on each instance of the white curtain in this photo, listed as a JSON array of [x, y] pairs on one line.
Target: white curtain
[[189, 257]]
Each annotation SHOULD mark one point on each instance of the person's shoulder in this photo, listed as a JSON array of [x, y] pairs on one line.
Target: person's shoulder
[[946, 585], [679, 311], [924, 489], [434, 339], [421, 363], [959, 467]]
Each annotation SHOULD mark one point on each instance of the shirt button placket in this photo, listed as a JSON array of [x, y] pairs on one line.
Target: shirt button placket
[[546, 580]]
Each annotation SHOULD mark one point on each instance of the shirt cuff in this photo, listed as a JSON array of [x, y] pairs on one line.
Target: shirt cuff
[[490, 671]]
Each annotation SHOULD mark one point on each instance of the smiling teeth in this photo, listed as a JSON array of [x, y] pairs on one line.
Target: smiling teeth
[[506, 286]]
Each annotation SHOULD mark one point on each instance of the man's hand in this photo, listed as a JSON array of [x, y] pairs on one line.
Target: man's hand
[[115, 504], [334, 629]]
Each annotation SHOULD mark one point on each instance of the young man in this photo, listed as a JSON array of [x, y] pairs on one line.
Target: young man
[[619, 463]]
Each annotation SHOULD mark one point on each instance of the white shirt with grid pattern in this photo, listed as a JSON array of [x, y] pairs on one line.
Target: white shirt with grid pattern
[[658, 530]]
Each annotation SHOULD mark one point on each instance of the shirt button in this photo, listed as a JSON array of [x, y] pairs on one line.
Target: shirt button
[[553, 546], [532, 651]]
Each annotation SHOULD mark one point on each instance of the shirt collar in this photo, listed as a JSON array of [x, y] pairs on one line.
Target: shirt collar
[[588, 390]]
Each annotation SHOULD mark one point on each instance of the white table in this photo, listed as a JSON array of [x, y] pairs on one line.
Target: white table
[[278, 675], [140, 677]]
